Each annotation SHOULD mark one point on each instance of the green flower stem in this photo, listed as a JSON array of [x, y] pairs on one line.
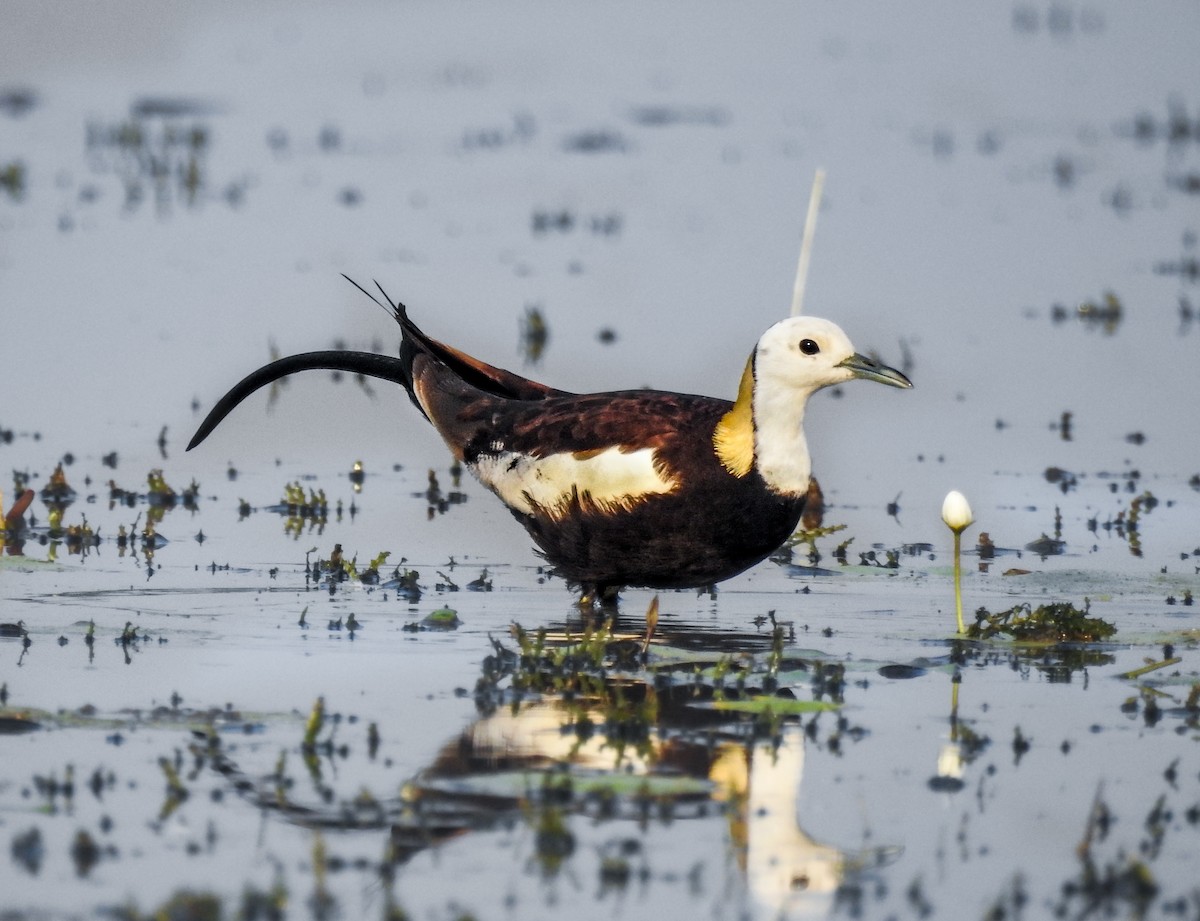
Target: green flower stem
[[958, 580]]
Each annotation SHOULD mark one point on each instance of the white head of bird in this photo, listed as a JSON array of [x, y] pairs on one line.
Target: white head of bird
[[793, 360]]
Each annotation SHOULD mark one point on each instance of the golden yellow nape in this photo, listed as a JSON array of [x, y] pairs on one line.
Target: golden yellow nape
[[734, 435]]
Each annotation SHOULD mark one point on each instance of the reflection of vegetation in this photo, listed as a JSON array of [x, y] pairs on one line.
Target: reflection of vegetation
[[555, 842], [626, 690], [1132, 521], [1123, 886], [1057, 622], [158, 156], [301, 509], [176, 792], [80, 538], [266, 904], [1155, 703], [439, 502]]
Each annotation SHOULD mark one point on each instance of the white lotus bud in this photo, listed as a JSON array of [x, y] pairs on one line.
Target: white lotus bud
[[956, 512]]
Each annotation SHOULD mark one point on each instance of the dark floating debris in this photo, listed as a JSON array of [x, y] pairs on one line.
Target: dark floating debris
[[662, 116], [900, 671], [565, 221], [172, 107], [595, 142], [1060, 20], [1047, 546], [1063, 479], [1176, 128], [17, 101], [1065, 423], [522, 130]]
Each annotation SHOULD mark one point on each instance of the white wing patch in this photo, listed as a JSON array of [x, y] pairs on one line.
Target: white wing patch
[[609, 479]]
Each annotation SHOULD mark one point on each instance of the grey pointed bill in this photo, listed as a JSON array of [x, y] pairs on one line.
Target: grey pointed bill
[[871, 370]]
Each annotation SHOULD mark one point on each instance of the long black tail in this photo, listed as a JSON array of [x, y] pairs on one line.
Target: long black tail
[[384, 367]]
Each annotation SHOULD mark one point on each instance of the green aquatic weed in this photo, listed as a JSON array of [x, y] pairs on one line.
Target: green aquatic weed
[[1056, 622]]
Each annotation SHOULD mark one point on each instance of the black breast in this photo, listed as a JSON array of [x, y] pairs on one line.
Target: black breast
[[689, 540]]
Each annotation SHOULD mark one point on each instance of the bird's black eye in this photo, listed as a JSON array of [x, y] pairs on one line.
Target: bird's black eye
[[809, 347]]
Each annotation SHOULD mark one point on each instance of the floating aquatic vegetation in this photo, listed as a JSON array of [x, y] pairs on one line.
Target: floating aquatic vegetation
[[12, 179], [296, 502], [808, 537], [1063, 479], [1144, 503], [442, 619], [890, 559], [159, 492], [370, 575], [1056, 622], [160, 154], [406, 583], [565, 221], [600, 140], [535, 333], [304, 512], [57, 492], [1106, 314], [494, 137]]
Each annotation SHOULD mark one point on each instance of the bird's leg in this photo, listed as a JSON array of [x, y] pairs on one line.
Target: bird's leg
[[594, 597]]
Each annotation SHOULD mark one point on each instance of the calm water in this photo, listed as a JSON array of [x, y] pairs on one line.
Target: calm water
[[181, 191]]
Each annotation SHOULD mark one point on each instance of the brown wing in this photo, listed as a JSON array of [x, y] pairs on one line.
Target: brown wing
[[475, 422]]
